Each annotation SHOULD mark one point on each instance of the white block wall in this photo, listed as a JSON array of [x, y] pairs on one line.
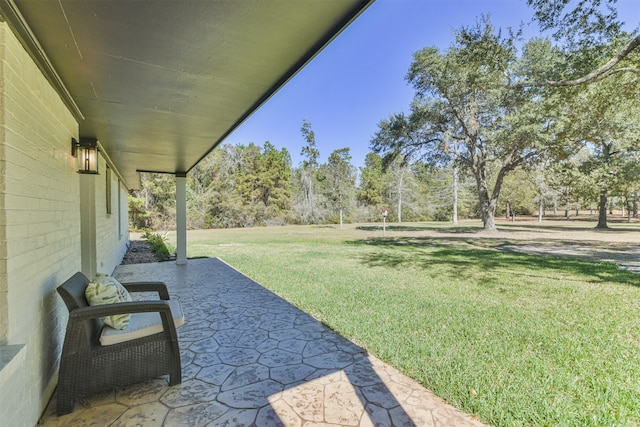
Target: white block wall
[[40, 227], [112, 233], [39, 230]]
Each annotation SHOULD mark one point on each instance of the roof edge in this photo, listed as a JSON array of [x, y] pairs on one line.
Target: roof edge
[[12, 16]]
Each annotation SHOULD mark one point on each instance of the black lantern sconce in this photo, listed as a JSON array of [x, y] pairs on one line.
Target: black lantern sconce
[[87, 153]]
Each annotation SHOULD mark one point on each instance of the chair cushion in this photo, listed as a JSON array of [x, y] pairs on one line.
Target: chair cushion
[[104, 289], [141, 325]]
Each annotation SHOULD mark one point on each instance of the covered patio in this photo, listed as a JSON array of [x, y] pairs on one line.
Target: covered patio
[[251, 358], [154, 86]]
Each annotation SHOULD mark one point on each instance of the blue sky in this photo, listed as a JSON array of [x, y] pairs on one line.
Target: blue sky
[[358, 79]]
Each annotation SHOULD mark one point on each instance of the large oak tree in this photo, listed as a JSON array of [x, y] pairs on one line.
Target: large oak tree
[[462, 98]]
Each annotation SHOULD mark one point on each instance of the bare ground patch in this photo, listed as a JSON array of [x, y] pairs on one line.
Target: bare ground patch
[[619, 244]]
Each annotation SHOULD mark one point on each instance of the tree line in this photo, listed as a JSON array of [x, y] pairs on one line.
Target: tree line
[[253, 185], [498, 125]]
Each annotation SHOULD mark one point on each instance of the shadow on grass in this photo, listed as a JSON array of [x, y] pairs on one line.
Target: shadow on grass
[[476, 259], [504, 227], [447, 229], [515, 227]]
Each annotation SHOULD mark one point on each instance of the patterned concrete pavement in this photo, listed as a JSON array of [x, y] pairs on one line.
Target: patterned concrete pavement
[[249, 358]]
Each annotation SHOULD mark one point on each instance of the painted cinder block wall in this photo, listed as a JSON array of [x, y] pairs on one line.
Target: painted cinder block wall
[[112, 227], [40, 229]]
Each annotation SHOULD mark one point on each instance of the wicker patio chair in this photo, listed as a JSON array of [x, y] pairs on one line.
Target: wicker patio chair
[[87, 366]]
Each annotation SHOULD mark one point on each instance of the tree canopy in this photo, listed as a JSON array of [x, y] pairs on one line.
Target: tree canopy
[[461, 96], [595, 44]]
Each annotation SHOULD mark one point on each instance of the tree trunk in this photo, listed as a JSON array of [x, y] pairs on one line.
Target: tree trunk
[[455, 182], [635, 206], [602, 211], [455, 194], [488, 204], [507, 210], [489, 221], [400, 197], [540, 210], [308, 198]]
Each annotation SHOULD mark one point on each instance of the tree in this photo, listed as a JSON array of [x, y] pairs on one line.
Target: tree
[[399, 178], [240, 186], [159, 194], [199, 181], [456, 180], [138, 214], [225, 207], [603, 116], [372, 182], [461, 97], [307, 178], [440, 195], [538, 177], [309, 151], [273, 181], [570, 187], [630, 177], [339, 177], [518, 193], [596, 45]]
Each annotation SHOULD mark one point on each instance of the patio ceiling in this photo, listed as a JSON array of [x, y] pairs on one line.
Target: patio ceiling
[[161, 83]]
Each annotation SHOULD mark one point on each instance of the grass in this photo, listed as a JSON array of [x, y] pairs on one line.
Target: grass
[[512, 338]]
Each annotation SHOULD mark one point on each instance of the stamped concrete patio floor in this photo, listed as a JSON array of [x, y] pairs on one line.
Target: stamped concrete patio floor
[[249, 358]]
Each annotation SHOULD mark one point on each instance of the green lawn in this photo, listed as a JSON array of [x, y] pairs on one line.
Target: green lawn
[[514, 339]]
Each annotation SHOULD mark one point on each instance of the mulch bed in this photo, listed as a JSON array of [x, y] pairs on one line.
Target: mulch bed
[[140, 252]]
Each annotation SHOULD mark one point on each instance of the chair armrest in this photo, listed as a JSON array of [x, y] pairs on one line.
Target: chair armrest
[[95, 311], [159, 287]]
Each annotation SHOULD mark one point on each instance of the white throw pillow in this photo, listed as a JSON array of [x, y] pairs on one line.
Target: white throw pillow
[[106, 290]]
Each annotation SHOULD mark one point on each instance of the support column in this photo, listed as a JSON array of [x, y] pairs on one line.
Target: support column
[[89, 258], [181, 218]]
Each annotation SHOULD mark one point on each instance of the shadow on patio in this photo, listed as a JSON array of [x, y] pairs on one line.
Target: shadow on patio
[[249, 358]]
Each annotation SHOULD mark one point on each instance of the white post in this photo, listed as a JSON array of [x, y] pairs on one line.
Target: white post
[[384, 222], [181, 218]]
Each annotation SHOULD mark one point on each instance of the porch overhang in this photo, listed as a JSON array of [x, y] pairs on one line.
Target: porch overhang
[[162, 83]]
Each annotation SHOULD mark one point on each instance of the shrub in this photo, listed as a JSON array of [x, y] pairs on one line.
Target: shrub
[[158, 243]]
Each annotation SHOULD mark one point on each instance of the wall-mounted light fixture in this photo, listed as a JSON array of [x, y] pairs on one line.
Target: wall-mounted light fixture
[[87, 153]]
